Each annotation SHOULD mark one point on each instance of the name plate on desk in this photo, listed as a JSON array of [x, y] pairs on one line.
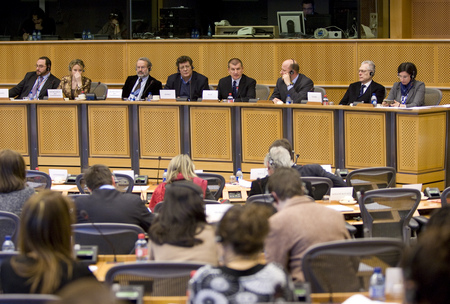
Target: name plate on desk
[[314, 97], [210, 95], [167, 94], [115, 94], [55, 94], [4, 94]]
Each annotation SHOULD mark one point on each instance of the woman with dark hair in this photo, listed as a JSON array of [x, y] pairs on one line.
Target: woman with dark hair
[[242, 279], [408, 92], [115, 28], [180, 231], [46, 260], [75, 84]]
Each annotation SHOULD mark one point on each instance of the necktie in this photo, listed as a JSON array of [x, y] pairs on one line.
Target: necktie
[[234, 89], [361, 92], [138, 87], [36, 87]]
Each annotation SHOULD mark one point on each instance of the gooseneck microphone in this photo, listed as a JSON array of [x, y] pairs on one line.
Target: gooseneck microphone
[[86, 217], [157, 170]]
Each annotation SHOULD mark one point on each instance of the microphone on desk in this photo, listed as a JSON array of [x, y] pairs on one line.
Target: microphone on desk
[[157, 170], [93, 91], [85, 216]]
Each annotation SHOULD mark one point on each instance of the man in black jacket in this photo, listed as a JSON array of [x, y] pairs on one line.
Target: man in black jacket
[[241, 87], [141, 84]]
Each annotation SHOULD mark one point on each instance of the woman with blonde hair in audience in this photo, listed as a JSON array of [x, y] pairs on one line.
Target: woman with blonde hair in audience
[[75, 84], [46, 260], [180, 168]]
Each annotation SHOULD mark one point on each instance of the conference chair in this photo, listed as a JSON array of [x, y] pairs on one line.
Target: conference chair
[[371, 178], [262, 92], [124, 183], [99, 89], [6, 255], [19, 298], [38, 180], [321, 90], [320, 186], [216, 183], [432, 97], [9, 225], [387, 212], [445, 197], [111, 238], [346, 266], [158, 278]]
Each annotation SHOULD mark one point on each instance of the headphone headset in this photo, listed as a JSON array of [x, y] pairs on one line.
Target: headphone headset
[[371, 73], [294, 68], [271, 161], [413, 75], [48, 68]]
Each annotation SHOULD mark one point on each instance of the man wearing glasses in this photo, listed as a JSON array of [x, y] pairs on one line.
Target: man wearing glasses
[[365, 87], [187, 83], [35, 84]]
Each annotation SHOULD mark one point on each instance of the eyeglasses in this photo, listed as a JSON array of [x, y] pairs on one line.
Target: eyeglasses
[[403, 77], [40, 66], [363, 71]]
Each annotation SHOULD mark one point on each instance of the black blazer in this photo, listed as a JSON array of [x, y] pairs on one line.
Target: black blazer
[[112, 206], [199, 83], [299, 92], [353, 92], [152, 85], [24, 87], [246, 90]]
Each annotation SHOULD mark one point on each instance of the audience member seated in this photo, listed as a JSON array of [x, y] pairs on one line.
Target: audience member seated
[[291, 83], [180, 231], [141, 84], [365, 87], [242, 232], [408, 92], [180, 168], [310, 169], [308, 7], [187, 83], [299, 223], [38, 21], [115, 28], [46, 260], [108, 205], [35, 84], [75, 84], [241, 87]]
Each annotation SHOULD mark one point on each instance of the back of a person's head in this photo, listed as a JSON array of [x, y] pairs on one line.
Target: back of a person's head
[[286, 183], [12, 171], [426, 268], [278, 157], [285, 144], [440, 218], [97, 176], [244, 228], [183, 164]]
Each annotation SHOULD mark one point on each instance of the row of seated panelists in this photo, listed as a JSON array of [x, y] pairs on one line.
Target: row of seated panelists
[[124, 183], [28, 298], [38, 180], [346, 266]]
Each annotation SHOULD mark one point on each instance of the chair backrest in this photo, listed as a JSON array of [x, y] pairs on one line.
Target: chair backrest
[[216, 183], [28, 298], [100, 90], [262, 92], [260, 198], [320, 186], [387, 212], [346, 266], [371, 178], [109, 237], [432, 97], [9, 225], [38, 180], [158, 278], [124, 183], [321, 90], [445, 197]]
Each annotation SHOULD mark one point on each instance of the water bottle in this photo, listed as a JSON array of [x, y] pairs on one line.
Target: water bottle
[[165, 176], [197, 34], [230, 98], [209, 31], [83, 35], [132, 97], [39, 35], [325, 100], [30, 96], [89, 35], [141, 248], [289, 99], [34, 36], [373, 100], [376, 288], [8, 245], [239, 175], [149, 96], [193, 34]]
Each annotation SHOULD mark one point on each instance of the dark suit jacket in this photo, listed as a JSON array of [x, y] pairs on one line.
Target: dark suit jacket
[[299, 92], [199, 83], [353, 92], [416, 96], [24, 87], [152, 85], [246, 90], [317, 170], [112, 206]]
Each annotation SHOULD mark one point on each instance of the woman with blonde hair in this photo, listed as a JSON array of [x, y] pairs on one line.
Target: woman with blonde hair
[[46, 260], [180, 167], [75, 84]]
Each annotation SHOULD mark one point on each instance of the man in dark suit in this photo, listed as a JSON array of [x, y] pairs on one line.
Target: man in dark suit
[[35, 84], [241, 87], [108, 205], [187, 83], [365, 87], [291, 83], [140, 85]]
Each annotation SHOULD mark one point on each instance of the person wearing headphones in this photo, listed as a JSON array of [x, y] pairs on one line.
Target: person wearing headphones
[[408, 92], [237, 83], [142, 84], [363, 89], [291, 83], [75, 84], [35, 84], [187, 83]]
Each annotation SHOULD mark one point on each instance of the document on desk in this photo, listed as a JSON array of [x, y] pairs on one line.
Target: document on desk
[[340, 208]]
